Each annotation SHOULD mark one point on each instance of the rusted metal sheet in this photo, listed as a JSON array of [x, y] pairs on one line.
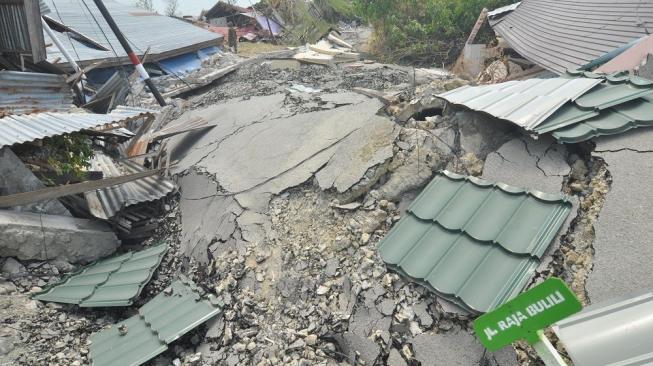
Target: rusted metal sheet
[[31, 92]]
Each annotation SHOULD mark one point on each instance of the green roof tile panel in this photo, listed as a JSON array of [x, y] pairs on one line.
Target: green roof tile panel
[[522, 222], [115, 281], [612, 93], [164, 319], [474, 242], [634, 114]]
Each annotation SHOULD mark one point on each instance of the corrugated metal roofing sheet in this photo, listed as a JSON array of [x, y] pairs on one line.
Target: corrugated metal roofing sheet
[[474, 241], [163, 36], [526, 103], [160, 322], [114, 199], [20, 129], [616, 333], [30, 92], [566, 34], [115, 281]]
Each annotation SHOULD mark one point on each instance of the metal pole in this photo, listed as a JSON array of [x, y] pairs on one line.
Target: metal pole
[[132, 56], [68, 57]]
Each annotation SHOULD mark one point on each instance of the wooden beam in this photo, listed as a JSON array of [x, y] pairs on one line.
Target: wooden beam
[[35, 30], [24, 198]]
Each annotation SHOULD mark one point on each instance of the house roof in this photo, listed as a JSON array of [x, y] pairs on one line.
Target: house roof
[[619, 332], [566, 34], [472, 241], [144, 30], [115, 281], [223, 9], [168, 316]]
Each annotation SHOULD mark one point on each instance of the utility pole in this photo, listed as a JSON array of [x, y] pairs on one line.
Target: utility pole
[[132, 56]]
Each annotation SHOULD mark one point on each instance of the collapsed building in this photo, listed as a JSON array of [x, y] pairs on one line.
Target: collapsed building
[[307, 207]]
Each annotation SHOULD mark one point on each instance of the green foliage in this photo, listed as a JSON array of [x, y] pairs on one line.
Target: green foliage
[[69, 154], [422, 31]]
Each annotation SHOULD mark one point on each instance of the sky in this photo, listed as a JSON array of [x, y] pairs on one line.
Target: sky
[[189, 7]]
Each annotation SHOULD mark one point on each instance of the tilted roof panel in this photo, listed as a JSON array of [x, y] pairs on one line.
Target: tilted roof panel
[[165, 318], [473, 241], [161, 36], [115, 281], [525, 103], [616, 333], [562, 34]]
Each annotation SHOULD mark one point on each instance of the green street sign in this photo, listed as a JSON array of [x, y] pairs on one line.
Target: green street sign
[[523, 316]]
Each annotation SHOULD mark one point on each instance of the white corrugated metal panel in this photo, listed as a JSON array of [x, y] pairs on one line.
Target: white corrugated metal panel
[[525, 103], [503, 10], [31, 127], [106, 203], [164, 36], [617, 333], [30, 92]]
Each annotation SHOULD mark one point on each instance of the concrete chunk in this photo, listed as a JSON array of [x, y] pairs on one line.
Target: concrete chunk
[[30, 236], [15, 177]]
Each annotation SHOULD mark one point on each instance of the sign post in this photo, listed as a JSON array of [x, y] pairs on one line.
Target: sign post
[[525, 316]]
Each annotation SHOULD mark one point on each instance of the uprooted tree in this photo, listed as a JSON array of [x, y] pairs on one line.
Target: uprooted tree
[[421, 31]]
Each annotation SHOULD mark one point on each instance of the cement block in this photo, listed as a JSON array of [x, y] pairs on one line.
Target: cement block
[[30, 236]]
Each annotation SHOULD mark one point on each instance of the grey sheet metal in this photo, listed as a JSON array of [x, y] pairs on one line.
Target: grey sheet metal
[[107, 203], [525, 103], [32, 127], [31, 92], [618, 333], [561, 35]]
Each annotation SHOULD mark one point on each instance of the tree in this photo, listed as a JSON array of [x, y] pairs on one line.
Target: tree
[[145, 4], [171, 9]]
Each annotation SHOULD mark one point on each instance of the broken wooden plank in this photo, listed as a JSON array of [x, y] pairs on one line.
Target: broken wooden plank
[[331, 37], [20, 199]]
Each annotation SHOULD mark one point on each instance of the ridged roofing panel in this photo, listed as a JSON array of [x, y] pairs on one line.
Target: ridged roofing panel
[[609, 122], [116, 198], [168, 316], [27, 128], [566, 34], [473, 241], [525, 103], [31, 92], [521, 222], [616, 333], [115, 281], [162, 35]]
